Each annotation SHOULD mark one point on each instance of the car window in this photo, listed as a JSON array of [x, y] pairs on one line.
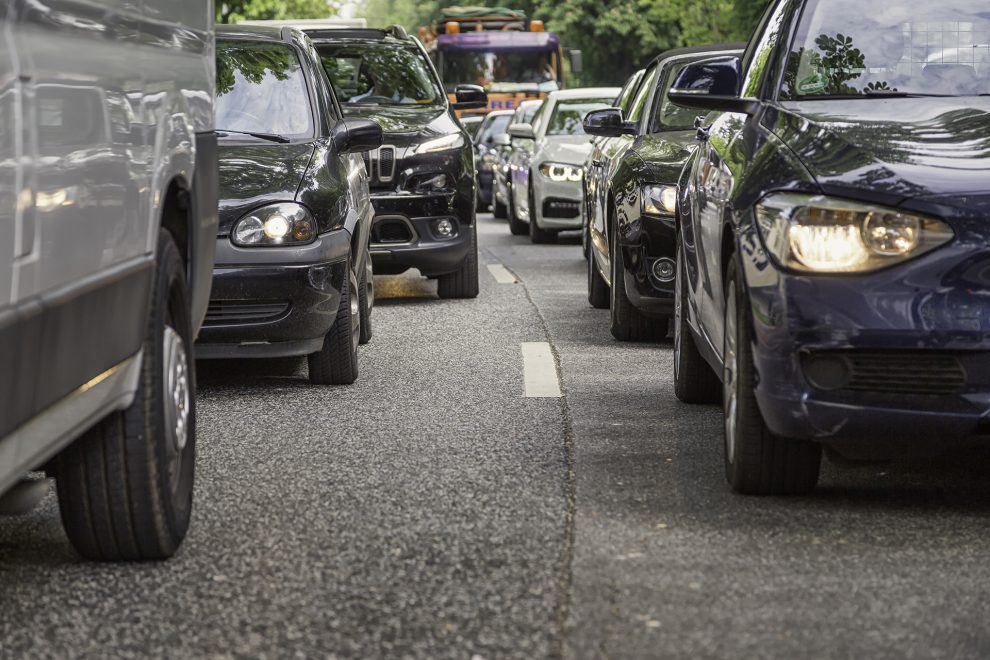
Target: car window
[[471, 125], [627, 93], [494, 126], [639, 102], [897, 46], [524, 115], [261, 89], [538, 116], [668, 116], [567, 116], [379, 74], [762, 50]]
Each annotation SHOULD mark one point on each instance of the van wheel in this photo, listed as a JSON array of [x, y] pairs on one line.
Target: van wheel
[[626, 322], [336, 363], [366, 298], [756, 461], [597, 288], [536, 234], [694, 380], [125, 488], [462, 283], [516, 226]]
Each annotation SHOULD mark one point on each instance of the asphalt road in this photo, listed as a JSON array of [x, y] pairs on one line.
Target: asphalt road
[[433, 511]]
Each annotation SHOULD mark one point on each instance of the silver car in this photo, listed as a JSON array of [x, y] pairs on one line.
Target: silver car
[[108, 206]]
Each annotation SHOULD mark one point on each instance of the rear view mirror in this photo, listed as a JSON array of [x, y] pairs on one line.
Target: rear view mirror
[[470, 97], [356, 135], [712, 85], [607, 122], [524, 131], [502, 140]]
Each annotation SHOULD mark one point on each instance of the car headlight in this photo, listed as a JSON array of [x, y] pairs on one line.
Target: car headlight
[[276, 224], [561, 172], [659, 200], [819, 234], [442, 143]]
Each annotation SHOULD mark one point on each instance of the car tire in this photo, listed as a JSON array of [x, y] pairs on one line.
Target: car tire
[[757, 462], [694, 380], [626, 322], [499, 210], [462, 283], [366, 298], [125, 487], [597, 287], [336, 363], [538, 235], [516, 226]]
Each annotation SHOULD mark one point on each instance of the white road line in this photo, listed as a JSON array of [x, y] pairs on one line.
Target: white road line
[[539, 370], [501, 275]]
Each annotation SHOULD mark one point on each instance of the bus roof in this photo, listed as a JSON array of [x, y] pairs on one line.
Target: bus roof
[[498, 42]]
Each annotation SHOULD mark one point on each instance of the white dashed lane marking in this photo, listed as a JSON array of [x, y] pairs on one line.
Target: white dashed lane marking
[[501, 274], [539, 370]]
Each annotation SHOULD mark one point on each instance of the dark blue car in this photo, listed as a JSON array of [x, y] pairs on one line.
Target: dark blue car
[[834, 237]]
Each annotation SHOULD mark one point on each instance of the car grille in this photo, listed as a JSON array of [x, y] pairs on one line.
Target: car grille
[[891, 372], [221, 312], [380, 164], [561, 208]]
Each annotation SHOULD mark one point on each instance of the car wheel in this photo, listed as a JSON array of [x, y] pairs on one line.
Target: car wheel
[[125, 488], [336, 363], [366, 298], [626, 322], [516, 226], [597, 288], [694, 380], [499, 210], [536, 233], [756, 461], [462, 283]]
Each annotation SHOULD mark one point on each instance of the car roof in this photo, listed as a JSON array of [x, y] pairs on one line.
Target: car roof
[[499, 113], [527, 103], [282, 33], [386, 35], [584, 93]]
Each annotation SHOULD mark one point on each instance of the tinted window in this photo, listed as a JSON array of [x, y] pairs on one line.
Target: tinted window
[[379, 74], [847, 47], [494, 126], [501, 72], [639, 101], [261, 89], [667, 116], [568, 116]]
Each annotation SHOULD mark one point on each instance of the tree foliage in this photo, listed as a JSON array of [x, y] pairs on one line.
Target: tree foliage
[[231, 11]]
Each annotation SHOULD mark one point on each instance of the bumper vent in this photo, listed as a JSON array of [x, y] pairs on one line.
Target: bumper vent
[[223, 312], [391, 230], [561, 208], [886, 372]]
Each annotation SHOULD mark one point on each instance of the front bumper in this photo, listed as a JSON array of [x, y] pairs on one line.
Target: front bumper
[[274, 302], [646, 240], [558, 203], [405, 235], [934, 310]]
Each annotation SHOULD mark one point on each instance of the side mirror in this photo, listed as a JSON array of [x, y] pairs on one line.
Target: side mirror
[[712, 85], [470, 97], [523, 131], [356, 135], [577, 60], [607, 122], [502, 140]]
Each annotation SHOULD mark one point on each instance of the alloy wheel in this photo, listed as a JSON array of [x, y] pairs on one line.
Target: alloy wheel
[[177, 393], [730, 375]]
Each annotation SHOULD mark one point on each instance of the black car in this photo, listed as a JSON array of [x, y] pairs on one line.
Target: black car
[[633, 201], [486, 156], [293, 270], [834, 242], [422, 177]]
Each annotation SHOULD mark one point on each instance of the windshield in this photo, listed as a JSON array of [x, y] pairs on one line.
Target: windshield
[[379, 74], [568, 116], [846, 47], [261, 89], [502, 72], [494, 126]]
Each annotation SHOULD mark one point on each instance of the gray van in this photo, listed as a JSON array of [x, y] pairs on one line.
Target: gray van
[[108, 215]]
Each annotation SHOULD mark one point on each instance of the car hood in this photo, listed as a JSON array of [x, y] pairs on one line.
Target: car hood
[[404, 125], [254, 175], [569, 149], [894, 148], [663, 154]]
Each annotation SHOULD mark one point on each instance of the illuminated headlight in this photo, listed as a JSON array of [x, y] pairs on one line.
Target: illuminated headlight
[[561, 172], [825, 235], [443, 143], [660, 200], [276, 224]]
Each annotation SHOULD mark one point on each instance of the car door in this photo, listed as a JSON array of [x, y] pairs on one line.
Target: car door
[[10, 128]]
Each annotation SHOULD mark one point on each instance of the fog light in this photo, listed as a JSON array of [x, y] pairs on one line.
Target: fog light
[[663, 270], [827, 372], [445, 228]]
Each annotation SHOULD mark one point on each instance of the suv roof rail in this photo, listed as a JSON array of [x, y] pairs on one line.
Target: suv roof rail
[[397, 31]]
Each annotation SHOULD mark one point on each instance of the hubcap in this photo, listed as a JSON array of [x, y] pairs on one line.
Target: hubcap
[[176, 393], [730, 376]]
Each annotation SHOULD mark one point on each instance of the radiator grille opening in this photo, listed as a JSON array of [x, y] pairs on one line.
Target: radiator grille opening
[[561, 208], [386, 163]]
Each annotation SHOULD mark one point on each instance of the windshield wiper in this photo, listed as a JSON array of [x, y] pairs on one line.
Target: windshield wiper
[[271, 137]]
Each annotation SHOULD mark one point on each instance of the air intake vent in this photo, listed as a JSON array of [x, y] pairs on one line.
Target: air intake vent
[[891, 372], [221, 312], [391, 230], [386, 164]]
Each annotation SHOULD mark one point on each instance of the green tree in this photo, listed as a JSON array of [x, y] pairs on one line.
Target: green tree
[[231, 11]]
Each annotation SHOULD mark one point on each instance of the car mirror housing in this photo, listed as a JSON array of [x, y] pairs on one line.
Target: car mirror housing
[[523, 131], [607, 122], [357, 135], [502, 140], [470, 97], [712, 85]]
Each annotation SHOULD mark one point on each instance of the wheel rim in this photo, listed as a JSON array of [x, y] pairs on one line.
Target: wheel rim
[[369, 276], [678, 328], [730, 375], [177, 399], [355, 304]]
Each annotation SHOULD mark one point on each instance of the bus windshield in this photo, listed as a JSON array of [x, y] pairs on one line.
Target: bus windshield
[[501, 72]]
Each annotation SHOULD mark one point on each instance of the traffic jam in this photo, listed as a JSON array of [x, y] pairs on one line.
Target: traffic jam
[[801, 219]]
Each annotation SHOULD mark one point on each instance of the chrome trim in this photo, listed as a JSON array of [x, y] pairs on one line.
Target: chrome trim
[[382, 175]]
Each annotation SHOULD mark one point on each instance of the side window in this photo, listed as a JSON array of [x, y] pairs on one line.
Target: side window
[[639, 102], [538, 117], [759, 55]]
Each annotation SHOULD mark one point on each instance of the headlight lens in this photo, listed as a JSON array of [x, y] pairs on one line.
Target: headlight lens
[[826, 235], [660, 200], [276, 224], [561, 172], [443, 143]]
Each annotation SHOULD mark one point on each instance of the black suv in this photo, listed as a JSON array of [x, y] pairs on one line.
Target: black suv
[[422, 178]]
